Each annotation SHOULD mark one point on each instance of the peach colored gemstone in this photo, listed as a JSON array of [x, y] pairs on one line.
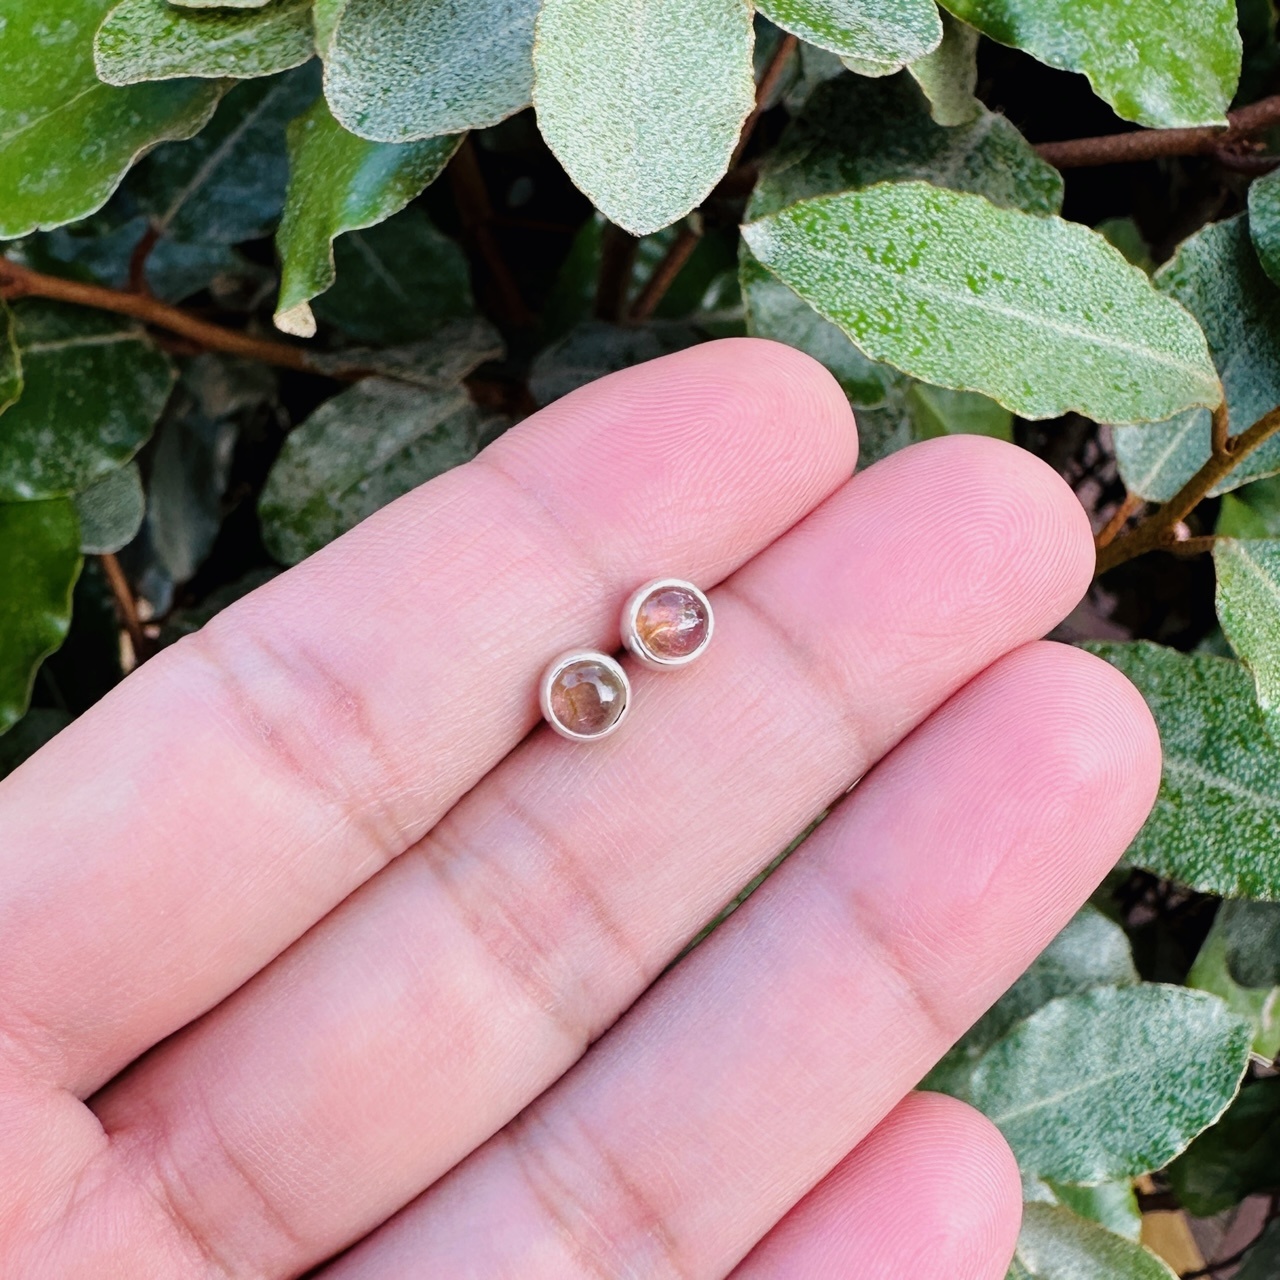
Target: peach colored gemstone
[[587, 697], [671, 623]]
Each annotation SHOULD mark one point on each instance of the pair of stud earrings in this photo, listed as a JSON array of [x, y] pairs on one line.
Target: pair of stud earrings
[[667, 623]]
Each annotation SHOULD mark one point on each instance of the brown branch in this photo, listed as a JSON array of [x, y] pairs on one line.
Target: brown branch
[[613, 282], [1107, 534], [476, 212], [1220, 432], [127, 607], [1149, 144], [138, 259], [1192, 546], [664, 274], [769, 78], [1158, 531], [17, 281]]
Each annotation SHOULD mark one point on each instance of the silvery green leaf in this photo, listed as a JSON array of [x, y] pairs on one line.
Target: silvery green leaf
[[1057, 1244], [39, 565], [949, 75], [643, 104], [1112, 1082], [66, 139], [1264, 221], [1259, 1005], [1248, 604], [891, 32], [155, 40], [1039, 314], [94, 387], [853, 133], [359, 451], [1251, 932], [1216, 276], [1158, 62], [403, 70], [1113, 1205], [110, 511], [339, 183], [1214, 826], [435, 363]]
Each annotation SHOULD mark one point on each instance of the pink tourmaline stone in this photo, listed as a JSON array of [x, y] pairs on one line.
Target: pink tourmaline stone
[[672, 623], [587, 697]]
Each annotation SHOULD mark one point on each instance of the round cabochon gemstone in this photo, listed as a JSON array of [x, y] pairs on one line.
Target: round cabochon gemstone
[[672, 623], [587, 697]]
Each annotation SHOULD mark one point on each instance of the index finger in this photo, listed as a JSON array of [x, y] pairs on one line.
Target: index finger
[[239, 786]]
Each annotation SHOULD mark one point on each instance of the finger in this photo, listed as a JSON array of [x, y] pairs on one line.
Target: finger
[[749, 1072], [933, 1193], [241, 784], [441, 999]]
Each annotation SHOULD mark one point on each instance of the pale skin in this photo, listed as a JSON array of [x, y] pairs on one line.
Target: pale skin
[[319, 954]]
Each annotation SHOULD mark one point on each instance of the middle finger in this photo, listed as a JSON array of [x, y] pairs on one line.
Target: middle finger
[[447, 993]]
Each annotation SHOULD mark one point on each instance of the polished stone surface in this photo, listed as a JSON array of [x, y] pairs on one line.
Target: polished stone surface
[[587, 697], [672, 623]]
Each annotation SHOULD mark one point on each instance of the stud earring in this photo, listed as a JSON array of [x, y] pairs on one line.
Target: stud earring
[[585, 695], [667, 623]]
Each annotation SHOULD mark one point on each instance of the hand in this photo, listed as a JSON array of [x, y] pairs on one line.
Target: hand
[[337, 951]]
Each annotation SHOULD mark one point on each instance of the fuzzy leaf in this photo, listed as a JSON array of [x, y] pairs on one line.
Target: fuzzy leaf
[[110, 511], [1112, 1082], [1041, 315], [227, 184], [1215, 275], [949, 75], [359, 451], [1251, 932], [39, 564], [66, 139], [1238, 1157], [339, 183], [94, 388], [404, 70], [442, 361], [1158, 62], [1056, 1244], [1091, 951], [891, 32], [643, 104], [154, 40], [854, 133], [397, 282], [1113, 1205], [1248, 604], [1264, 222], [1214, 826], [219, 4], [1211, 972]]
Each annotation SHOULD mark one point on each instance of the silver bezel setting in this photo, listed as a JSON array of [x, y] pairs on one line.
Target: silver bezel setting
[[631, 635], [549, 679]]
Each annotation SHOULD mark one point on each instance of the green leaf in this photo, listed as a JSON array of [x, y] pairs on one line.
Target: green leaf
[[435, 363], [1260, 1005], [1264, 222], [1215, 275], [949, 75], [219, 4], [1158, 62], [1251, 932], [154, 40], [403, 70], [39, 564], [1039, 314], [110, 511], [853, 133], [1214, 826], [1263, 1262], [1091, 951], [1112, 1082], [10, 360], [593, 349], [66, 139], [1056, 1244], [397, 282], [339, 183], [1238, 1157], [1252, 511], [38, 726], [227, 185], [1113, 1205], [359, 451], [1127, 236], [1248, 603], [890, 32], [94, 388], [643, 104], [938, 411]]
